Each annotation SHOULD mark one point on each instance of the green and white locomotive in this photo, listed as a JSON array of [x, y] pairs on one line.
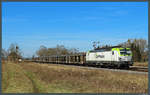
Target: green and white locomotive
[[112, 56]]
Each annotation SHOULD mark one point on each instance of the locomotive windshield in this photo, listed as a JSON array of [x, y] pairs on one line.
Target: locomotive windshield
[[125, 52]]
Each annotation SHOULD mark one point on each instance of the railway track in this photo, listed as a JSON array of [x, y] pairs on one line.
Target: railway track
[[132, 69], [139, 68]]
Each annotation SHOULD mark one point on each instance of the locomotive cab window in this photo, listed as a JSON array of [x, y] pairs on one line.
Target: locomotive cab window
[[125, 52], [112, 52]]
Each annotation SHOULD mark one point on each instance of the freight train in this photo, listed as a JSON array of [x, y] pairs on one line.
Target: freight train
[[103, 57]]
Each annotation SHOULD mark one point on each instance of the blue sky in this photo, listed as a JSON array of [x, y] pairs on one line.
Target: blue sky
[[73, 24]]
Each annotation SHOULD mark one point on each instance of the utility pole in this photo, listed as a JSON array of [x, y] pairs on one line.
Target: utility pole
[[17, 53]]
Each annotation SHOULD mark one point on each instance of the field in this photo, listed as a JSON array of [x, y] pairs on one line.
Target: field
[[53, 78]]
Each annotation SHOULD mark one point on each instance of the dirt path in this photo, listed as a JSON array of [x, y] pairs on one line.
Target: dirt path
[[34, 86], [37, 84], [16, 81]]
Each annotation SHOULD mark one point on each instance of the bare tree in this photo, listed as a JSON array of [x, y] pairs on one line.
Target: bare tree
[[42, 51], [73, 51], [4, 54], [58, 50], [139, 48], [14, 52]]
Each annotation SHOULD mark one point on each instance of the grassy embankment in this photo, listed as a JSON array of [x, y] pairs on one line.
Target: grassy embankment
[[52, 78]]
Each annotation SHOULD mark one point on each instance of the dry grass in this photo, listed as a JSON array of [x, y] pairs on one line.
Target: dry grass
[[144, 64], [14, 80], [51, 78]]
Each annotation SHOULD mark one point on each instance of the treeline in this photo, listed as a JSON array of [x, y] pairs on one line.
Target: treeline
[[14, 53], [58, 50]]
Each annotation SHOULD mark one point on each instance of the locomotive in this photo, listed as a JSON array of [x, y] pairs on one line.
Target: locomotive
[[113, 56]]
